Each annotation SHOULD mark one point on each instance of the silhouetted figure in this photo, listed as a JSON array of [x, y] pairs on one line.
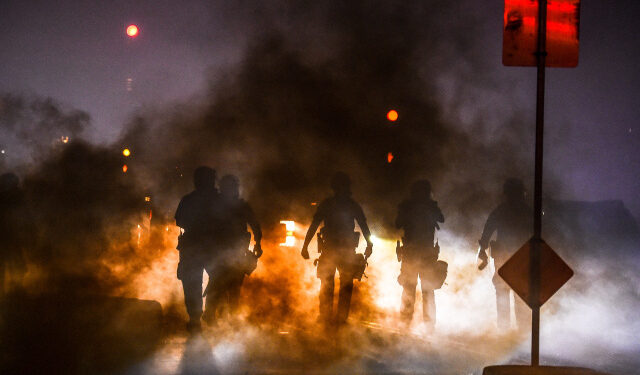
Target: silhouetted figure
[[512, 222], [419, 216], [197, 244], [337, 242], [232, 260], [15, 226]]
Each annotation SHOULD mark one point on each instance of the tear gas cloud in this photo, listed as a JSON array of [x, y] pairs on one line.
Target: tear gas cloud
[[31, 126], [310, 97]]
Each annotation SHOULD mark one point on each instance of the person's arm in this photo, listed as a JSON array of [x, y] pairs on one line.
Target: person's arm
[[253, 223], [439, 217], [179, 214], [489, 227], [362, 223], [307, 239], [317, 219]]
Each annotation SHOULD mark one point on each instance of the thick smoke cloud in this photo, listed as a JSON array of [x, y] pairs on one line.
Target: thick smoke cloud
[[81, 202], [302, 105], [30, 126]]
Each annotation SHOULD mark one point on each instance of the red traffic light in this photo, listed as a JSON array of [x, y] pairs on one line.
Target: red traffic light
[[132, 31], [392, 115]]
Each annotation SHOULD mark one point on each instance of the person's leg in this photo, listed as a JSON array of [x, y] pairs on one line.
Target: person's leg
[[344, 296], [326, 273], [429, 307], [503, 307], [523, 314], [235, 284], [222, 289], [211, 301], [408, 279], [429, 279], [190, 272]]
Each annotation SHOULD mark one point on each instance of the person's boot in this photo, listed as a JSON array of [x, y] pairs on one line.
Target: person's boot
[[209, 317], [194, 326]]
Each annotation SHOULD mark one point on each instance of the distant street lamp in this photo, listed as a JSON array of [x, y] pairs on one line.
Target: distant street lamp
[[132, 31]]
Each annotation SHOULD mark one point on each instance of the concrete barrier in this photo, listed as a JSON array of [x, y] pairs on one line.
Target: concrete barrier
[[73, 334]]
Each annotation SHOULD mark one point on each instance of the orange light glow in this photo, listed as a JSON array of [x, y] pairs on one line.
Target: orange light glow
[[392, 115], [132, 31], [126, 152], [125, 168], [290, 227], [389, 157]]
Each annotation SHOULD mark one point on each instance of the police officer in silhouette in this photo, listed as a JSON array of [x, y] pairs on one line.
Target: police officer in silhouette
[[232, 260], [418, 217], [511, 221], [196, 244], [337, 244]]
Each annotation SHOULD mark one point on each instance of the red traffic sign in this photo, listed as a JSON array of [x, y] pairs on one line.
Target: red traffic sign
[[520, 33], [554, 272]]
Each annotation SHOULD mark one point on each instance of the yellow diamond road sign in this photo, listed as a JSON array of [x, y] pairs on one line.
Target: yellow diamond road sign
[[554, 272]]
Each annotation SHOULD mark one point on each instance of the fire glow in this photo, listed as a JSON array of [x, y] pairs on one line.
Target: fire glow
[[290, 227]]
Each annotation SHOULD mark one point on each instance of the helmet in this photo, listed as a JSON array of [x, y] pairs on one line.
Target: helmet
[[204, 177], [230, 185]]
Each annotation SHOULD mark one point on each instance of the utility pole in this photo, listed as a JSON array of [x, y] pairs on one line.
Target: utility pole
[[534, 271]]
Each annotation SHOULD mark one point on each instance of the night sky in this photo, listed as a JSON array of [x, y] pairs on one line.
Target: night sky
[[78, 54]]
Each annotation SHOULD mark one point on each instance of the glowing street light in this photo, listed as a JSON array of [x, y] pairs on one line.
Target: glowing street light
[[392, 115], [126, 152], [132, 31]]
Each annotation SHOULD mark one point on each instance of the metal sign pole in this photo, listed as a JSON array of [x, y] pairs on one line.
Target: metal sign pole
[[534, 271]]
